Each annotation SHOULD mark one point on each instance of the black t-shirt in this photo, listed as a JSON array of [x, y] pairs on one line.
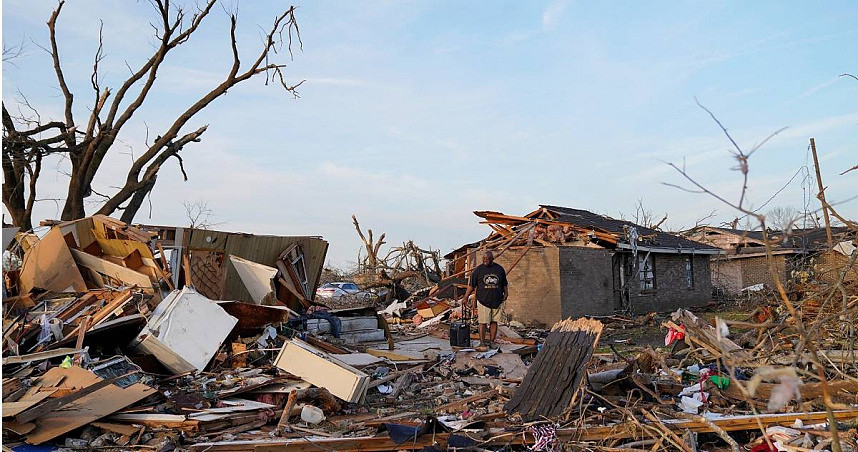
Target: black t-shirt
[[489, 282]]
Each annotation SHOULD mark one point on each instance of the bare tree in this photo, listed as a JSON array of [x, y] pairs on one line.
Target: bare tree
[[783, 218], [806, 331], [199, 214], [396, 265], [27, 139], [644, 217]]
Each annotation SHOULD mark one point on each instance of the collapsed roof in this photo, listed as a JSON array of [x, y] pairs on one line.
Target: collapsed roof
[[559, 226]]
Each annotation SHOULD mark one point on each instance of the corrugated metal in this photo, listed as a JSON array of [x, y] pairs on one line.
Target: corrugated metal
[[262, 249]]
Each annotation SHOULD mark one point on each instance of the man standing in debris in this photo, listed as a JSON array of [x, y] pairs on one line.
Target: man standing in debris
[[489, 282]]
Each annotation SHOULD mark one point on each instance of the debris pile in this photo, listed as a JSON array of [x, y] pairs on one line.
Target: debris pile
[[111, 342]]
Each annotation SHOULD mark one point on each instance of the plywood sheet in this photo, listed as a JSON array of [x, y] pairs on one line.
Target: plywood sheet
[[122, 248], [49, 264], [13, 408], [86, 409]]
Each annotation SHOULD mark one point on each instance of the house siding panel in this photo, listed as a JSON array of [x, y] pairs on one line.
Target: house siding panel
[[262, 249]]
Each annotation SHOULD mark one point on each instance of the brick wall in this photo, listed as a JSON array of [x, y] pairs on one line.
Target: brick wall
[[534, 286], [586, 282], [550, 284], [727, 275], [755, 270], [733, 275], [670, 291], [828, 265]]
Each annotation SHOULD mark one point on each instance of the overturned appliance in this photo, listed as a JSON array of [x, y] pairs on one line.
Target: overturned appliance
[[185, 331]]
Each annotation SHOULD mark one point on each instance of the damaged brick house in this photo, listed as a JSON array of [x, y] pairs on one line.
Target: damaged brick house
[[745, 264], [564, 262]]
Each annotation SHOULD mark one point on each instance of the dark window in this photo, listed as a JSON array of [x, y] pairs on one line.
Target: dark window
[[646, 272], [689, 272]]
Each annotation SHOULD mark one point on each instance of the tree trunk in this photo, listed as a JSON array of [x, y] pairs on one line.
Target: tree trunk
[[13, 199], [137, 201]]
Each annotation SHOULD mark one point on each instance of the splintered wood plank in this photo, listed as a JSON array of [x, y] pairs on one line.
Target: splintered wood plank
[[121, 429], [553, 380], [14, 408], [55, 404], [465, 401]]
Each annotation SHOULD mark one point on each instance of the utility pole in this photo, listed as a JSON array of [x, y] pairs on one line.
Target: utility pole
[[821, 195]]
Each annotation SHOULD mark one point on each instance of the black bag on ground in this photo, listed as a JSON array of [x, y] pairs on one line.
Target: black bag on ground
[[460, 334]]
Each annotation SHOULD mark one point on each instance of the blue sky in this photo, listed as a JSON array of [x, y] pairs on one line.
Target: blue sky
[[414, 114]]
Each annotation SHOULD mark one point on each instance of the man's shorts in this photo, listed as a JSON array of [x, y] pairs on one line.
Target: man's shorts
[[486, 314]]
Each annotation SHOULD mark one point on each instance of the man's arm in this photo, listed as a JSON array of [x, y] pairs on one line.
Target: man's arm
[[471, 287], [505, 292]]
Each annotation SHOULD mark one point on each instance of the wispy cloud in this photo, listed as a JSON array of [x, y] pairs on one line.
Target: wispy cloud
[[814, 89], [552, 13]]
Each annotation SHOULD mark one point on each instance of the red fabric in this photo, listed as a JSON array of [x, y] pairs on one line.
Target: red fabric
[[674, 335], [764, 447]]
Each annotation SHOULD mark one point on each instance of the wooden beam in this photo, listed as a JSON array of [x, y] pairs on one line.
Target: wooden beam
[[287, 410], [82, 329], [821, 195], [115, 271]]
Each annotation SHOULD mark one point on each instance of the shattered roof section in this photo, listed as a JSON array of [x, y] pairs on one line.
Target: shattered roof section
[[799, 239], [650, 237]]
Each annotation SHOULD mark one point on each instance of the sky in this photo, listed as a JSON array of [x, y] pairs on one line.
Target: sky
[[415, 114]]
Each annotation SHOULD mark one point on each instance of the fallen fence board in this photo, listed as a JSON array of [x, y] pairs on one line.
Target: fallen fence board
[[60, 352], [14, 408], [365, 443], [620, 431]]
